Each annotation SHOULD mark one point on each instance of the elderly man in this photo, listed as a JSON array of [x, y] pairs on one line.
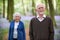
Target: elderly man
[[41, 27], [16, 30]]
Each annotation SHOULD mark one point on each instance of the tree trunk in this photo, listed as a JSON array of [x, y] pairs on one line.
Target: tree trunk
[[33, 7], [10, 10], [23, 7], [51, 9], [3, 8], [46, 3]]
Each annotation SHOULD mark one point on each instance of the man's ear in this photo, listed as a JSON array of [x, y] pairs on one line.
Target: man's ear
[[44, 9], [35, 9]]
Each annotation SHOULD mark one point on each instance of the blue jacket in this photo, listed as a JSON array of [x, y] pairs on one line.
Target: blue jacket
[[20, 30]]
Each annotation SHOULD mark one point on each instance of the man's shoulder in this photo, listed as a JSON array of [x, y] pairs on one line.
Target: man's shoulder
[[48, 17], [33, 18]]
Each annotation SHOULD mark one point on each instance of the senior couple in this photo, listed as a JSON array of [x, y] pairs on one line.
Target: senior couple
[[41, 26]]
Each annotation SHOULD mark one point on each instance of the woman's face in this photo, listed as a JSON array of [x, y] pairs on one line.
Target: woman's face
[[17, 18]]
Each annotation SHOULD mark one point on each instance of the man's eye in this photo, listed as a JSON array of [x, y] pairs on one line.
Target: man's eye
[[38, 8]]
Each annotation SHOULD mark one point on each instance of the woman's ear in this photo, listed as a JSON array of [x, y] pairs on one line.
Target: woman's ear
[[20, 17]]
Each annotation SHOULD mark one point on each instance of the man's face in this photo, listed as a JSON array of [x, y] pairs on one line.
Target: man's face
[[17, 18], [40, 9]]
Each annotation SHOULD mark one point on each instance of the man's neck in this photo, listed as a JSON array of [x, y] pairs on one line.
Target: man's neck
[[40, 15]]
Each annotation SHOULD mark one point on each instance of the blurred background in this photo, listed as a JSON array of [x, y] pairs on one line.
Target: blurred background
[[27, 10]]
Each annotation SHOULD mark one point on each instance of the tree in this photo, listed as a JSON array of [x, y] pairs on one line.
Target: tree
[[52, 12], [23, 7], [57, 7], [1, 5], [33, 7], [46, 3], [3, 8], [10, 10]]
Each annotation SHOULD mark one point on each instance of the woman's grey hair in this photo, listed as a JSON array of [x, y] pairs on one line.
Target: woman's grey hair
[[16, 14]]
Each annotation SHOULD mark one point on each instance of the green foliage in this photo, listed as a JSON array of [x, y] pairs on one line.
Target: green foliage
[[58, 7], [2, 33], [24, 6], [1, 5]]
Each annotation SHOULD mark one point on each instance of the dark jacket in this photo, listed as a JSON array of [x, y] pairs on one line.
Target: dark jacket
[[20, 30], [41, 30]]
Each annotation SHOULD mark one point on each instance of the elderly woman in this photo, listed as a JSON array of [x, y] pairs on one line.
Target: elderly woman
[[16, 30]]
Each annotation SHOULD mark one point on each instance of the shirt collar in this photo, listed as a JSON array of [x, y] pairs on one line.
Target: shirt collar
[[44, 16], [16, 22]]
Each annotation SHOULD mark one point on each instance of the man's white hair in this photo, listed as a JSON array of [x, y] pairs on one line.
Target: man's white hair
[[40, 4], [16, 14]]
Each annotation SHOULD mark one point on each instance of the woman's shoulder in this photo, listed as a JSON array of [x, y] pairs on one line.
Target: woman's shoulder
[[21, 22], [12, 21]]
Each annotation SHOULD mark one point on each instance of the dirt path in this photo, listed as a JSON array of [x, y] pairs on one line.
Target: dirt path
[[27, 33]]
